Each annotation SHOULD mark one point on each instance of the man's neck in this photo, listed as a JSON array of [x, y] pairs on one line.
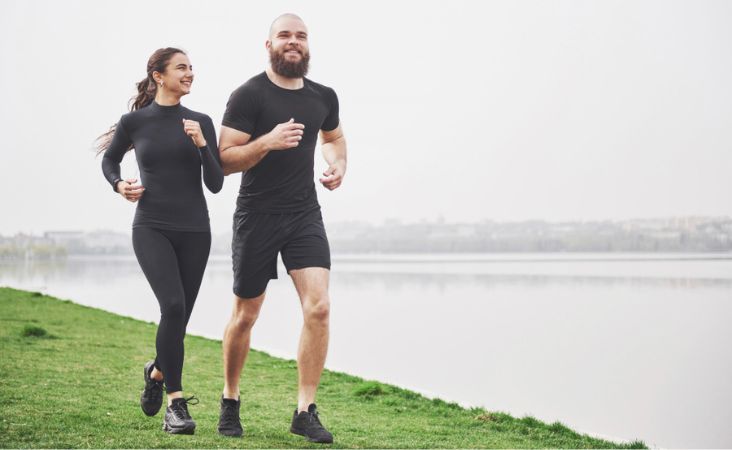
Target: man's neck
[[284, 82]]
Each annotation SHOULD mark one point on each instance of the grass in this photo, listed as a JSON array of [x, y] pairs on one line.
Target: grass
[[70, 376], [33, 331]]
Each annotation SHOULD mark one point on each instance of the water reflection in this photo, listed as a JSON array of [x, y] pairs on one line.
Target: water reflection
[[408, 275]]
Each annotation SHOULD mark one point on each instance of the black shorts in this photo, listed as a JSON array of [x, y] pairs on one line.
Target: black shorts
[[258, 237]]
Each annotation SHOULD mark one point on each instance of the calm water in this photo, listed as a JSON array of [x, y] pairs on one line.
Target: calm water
[[619, 346]]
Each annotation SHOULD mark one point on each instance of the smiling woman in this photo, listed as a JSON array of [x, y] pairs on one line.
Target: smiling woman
[[146, 89], [171, 233]]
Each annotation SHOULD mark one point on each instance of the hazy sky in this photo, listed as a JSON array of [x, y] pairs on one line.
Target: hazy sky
[[473, 110]]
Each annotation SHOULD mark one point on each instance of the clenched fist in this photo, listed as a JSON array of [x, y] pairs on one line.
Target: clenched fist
[[193, 129], [285, 136], [129, 190]]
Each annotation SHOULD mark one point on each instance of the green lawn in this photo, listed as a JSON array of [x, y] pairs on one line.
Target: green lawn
[[71, 376]]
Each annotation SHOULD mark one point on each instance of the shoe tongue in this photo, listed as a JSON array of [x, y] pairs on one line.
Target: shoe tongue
[[311, 408], [230, 401], [177, 401]]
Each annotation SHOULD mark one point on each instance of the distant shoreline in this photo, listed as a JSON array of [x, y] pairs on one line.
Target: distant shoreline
[[459, 257]]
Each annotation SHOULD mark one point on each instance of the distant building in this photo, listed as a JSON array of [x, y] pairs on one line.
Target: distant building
[[91, 243]]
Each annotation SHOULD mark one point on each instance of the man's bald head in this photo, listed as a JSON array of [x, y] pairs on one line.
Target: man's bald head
[[281, 20]]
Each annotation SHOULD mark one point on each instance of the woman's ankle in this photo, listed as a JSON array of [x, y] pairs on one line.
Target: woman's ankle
[[173, 395], [156, 374]]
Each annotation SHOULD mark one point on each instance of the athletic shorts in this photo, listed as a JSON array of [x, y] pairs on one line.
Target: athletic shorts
[[258, 237]]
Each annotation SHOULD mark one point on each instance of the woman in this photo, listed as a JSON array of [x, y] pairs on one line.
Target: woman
[[170, 233]]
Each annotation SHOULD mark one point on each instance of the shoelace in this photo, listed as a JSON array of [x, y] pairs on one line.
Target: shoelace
[[229, 416], [315, 419], [190, 400], [157, 394], [154, 389], [180, 409], [155, 384]]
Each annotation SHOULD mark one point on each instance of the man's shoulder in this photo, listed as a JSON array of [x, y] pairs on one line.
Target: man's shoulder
[[318, 88], [252, 85]]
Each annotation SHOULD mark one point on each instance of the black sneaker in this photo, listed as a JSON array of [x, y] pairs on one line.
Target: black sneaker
[[308, 424], [177, 420], [229, 423], [151, 398]]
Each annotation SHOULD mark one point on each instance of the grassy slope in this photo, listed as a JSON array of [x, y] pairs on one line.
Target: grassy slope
[[79, 386]]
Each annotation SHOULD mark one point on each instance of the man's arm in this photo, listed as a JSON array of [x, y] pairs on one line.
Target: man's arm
[[334, 152], [239, 154]]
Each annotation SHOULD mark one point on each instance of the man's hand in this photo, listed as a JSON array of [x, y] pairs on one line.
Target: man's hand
[[129, 190], [334, 175], [285, 136]]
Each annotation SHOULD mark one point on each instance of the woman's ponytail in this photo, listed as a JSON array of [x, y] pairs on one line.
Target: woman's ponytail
[[146, 90]]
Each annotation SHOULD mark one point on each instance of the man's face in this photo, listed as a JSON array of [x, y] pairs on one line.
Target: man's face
[[288, 48]]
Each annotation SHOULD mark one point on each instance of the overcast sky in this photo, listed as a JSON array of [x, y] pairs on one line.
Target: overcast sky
[[507, 110]]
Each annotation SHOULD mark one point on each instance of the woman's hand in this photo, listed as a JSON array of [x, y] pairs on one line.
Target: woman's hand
[[193, 129], [129, 190]]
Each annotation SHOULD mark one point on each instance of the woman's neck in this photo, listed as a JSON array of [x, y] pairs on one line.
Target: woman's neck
[[163, 98]]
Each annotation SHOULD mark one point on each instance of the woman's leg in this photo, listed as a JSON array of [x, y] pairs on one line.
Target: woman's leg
[[192, 249], [159, 262]]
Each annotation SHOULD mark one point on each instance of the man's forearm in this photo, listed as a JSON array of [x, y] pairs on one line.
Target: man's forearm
[[335, 151], [243, 157]]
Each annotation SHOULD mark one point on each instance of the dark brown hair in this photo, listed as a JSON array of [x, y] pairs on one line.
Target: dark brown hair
[[146, 90]]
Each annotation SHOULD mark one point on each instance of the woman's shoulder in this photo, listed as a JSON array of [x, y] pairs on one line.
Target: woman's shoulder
[[133, 117], [197, 116], [132, 121]]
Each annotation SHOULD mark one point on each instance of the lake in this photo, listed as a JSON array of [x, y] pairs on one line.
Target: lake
[[622, 346]]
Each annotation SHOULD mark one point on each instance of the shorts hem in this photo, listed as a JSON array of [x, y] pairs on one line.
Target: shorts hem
[[306, 266], [249, 297]]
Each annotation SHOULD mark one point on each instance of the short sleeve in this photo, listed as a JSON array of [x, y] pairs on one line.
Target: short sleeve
[[241, 110], [332, 120]]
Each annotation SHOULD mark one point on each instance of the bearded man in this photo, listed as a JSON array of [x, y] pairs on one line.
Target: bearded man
[[269, 134]]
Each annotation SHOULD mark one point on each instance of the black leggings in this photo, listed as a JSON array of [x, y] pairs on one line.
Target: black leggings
[[173, 263]]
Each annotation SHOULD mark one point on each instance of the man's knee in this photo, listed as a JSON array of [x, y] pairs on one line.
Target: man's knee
[[246, 311], [316, 309]]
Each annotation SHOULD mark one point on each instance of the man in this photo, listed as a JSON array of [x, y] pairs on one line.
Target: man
[[269, 133]]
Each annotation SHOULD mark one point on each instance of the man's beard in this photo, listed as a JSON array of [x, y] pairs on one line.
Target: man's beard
[[289, 69]]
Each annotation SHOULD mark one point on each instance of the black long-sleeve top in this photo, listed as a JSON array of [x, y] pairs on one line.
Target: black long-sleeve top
[[170, 166]]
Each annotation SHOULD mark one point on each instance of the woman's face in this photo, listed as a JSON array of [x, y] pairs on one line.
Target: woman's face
[[178, 76]]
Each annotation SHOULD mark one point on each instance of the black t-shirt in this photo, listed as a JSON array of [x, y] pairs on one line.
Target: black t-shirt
[[170, 166], [283, 180]]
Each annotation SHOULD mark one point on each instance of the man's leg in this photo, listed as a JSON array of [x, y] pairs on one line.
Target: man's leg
[[254, 257], [254, 248], [236, 341], [312, 287]]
